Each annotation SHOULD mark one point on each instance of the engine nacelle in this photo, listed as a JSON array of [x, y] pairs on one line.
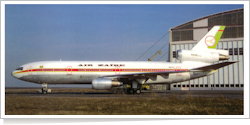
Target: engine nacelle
[[104, 83], [202, 56]]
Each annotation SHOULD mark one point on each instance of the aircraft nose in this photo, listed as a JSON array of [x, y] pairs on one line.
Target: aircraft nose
[[14, 75]]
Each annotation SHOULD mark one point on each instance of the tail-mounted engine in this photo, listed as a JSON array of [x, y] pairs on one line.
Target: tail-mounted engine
[[104, 83], [202, 56]]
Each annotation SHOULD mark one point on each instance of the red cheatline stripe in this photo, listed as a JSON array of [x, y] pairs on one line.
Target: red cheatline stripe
[[221, 30], [100, 70]]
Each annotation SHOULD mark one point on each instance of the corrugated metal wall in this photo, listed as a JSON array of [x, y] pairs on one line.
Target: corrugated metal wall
[[229, 77]]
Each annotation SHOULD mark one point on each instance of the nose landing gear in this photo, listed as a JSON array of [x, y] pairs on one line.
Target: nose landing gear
[[45, 90]]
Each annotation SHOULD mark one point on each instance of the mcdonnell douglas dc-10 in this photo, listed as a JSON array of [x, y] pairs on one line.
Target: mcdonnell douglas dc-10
[[195, 63]]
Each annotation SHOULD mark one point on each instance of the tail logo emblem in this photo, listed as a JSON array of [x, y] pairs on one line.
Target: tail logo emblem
[[210, 41]]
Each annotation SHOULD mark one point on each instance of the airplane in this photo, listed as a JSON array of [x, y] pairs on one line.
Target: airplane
[[202, 60]]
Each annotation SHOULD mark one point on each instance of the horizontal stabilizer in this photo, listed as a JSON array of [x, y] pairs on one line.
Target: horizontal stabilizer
[[215, 66]]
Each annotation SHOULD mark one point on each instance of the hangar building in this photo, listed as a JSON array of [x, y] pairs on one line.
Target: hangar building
[[186, 35]]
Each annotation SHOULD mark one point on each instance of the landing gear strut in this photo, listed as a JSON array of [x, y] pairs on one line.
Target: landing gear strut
[[45, 90]]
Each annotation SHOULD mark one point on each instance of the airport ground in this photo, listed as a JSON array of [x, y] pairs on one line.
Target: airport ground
[[79, 101]]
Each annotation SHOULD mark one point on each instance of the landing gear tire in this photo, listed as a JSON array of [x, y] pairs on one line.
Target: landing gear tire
[[44, 91], [131, 91], [138, 91]]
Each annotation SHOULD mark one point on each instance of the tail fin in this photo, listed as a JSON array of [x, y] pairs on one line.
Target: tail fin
[[210, 40]]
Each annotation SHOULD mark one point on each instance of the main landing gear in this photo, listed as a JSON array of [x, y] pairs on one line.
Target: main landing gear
[[134, 89]]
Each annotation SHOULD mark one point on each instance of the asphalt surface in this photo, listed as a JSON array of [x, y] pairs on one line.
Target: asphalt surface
[[232, 94]]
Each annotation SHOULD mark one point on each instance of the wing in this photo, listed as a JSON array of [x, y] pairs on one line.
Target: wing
[[213, 66], [146, 75]]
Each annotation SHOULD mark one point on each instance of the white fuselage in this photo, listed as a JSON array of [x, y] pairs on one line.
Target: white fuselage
[[83, 72]]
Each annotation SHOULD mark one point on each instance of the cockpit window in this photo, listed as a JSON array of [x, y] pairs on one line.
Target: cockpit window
[[19, 68]]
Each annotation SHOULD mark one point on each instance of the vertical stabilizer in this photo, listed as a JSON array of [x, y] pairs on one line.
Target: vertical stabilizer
[[210, 40]]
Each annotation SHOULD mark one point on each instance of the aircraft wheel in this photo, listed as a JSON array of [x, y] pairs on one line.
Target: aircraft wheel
[[44, 91], [131, 91], [138, 91]]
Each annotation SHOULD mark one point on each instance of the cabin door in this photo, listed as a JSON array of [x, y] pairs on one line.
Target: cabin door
[[30, 70], [69, 70], [117, 70], [178, 68]]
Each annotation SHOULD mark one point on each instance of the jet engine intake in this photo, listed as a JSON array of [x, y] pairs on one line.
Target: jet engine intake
[[104, 83]]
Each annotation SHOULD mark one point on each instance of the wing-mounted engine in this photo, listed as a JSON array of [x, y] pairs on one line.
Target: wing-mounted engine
[[202, 56], [105, 83]]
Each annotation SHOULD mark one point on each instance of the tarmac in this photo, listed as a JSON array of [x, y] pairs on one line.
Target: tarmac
[[231, 94]]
